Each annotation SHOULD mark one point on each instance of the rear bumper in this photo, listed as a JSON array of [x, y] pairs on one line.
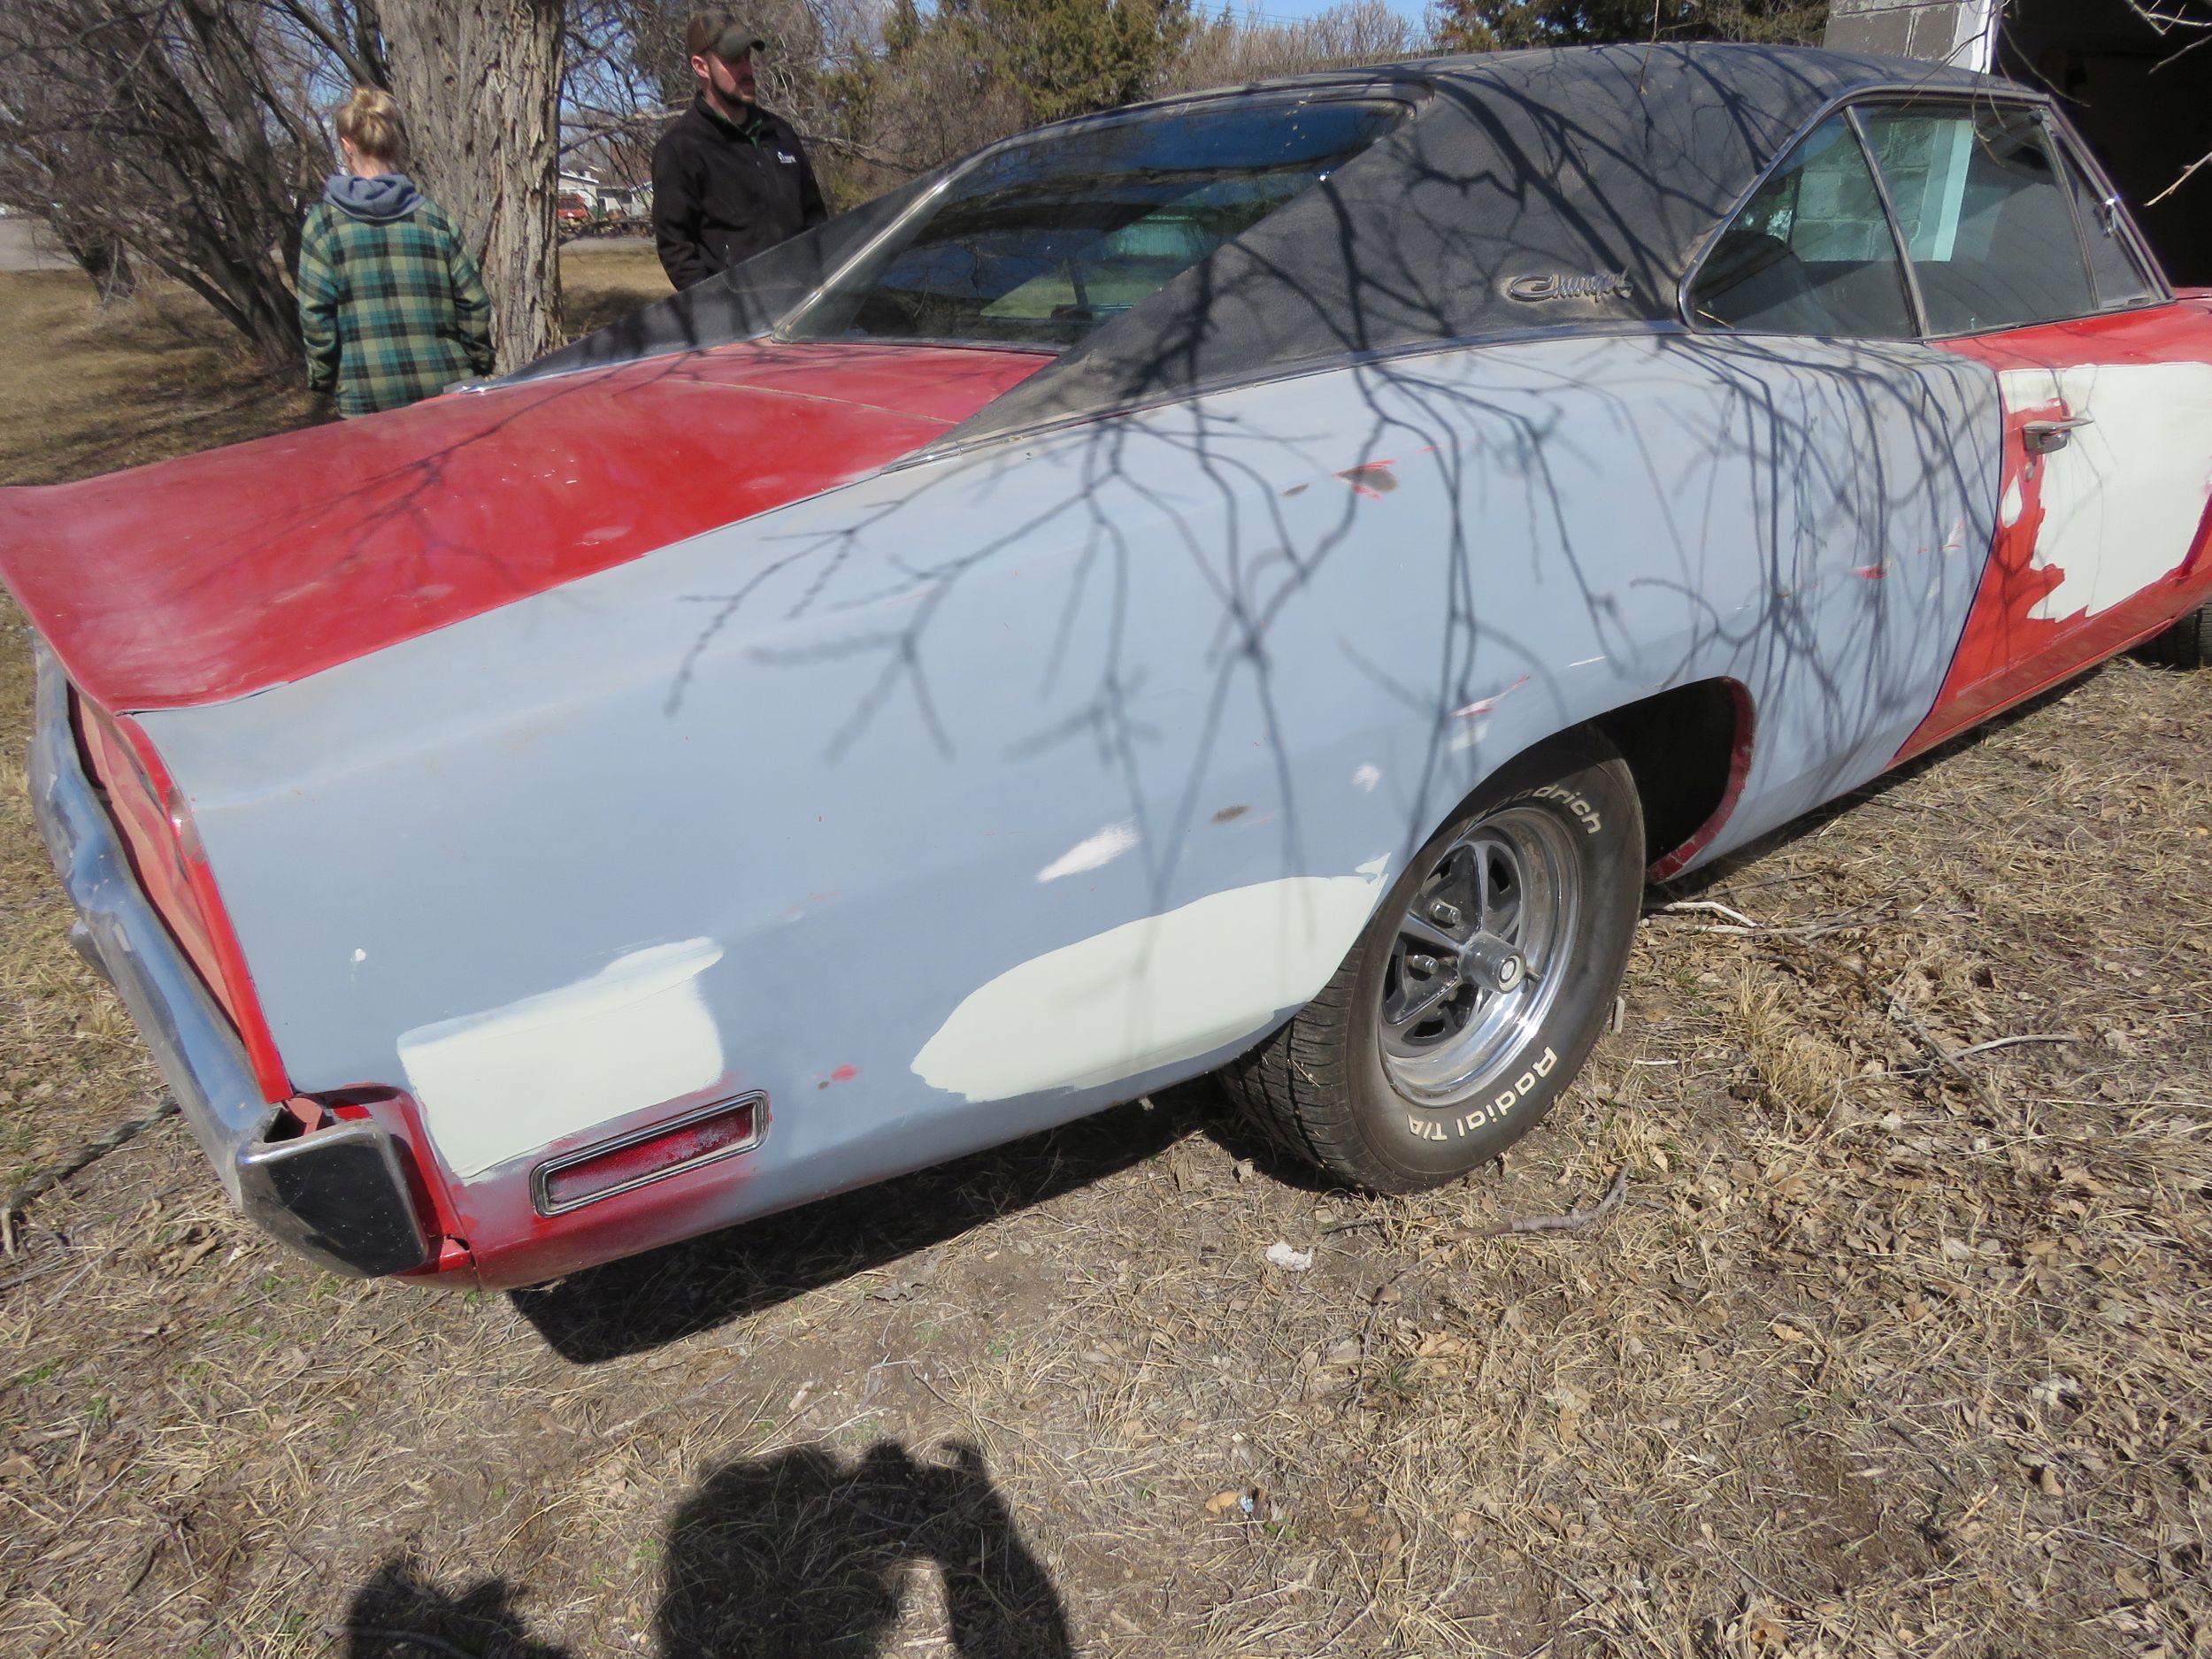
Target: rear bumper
[[339, 1194]]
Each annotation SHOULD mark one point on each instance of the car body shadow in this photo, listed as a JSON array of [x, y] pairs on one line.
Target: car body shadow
[[645, 1302]]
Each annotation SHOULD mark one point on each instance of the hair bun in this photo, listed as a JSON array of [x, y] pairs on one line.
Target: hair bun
[[369, 120]]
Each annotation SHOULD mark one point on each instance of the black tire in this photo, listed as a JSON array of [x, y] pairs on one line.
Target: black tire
[[2188, 644], [1403, 1104]]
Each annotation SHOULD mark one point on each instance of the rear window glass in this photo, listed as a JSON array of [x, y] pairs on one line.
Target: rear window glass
[[1041, 243]]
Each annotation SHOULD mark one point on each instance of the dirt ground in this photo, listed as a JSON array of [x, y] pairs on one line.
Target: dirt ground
[[1901, 1342]]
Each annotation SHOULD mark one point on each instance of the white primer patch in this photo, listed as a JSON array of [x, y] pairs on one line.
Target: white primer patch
[[1152, 991], [1093, 852], [495, 1084], [2121, 501]]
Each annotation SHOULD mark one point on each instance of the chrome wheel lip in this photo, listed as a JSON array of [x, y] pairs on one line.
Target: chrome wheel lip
[[1529, 906]]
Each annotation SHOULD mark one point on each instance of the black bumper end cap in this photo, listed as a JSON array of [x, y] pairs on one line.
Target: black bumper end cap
[[338, 1196]]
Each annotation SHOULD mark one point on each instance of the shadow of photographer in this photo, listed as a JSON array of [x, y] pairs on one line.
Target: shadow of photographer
[[798, 1555]]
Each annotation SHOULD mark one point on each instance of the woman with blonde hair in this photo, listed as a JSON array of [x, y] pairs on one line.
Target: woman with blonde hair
[[391, 306]]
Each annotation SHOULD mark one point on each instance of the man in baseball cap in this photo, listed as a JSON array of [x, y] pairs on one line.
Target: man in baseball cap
[[729, 178]]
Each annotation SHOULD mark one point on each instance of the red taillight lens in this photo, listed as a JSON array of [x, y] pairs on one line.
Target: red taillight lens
[[172, 869], [616, 1166]]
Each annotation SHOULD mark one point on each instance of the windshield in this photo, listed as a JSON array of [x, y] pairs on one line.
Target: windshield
[[1043, 241]]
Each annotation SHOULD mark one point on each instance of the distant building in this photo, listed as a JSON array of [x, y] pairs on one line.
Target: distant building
[[583, 186], [1960, 33], [2098, 56]]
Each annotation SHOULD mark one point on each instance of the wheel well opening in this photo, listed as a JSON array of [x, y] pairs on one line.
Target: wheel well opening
[[1687, 751]]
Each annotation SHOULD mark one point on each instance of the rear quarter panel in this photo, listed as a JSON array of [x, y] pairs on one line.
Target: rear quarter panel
[[1005, 785]]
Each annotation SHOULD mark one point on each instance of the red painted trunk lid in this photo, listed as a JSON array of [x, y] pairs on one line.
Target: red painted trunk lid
[[208, 578]]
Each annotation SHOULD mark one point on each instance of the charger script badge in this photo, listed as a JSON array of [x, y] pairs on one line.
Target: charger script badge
[[1561, 285]]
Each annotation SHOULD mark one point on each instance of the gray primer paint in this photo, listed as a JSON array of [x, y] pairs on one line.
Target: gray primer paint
[[842, 740]]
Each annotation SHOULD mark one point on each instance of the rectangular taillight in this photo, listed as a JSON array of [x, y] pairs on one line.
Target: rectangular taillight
[[171, 871], [698, 1138]]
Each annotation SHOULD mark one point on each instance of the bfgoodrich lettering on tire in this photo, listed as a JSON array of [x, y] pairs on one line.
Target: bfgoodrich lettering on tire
[[1477, 990]]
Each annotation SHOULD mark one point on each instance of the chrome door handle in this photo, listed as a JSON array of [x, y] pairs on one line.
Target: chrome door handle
[[2043, 437]]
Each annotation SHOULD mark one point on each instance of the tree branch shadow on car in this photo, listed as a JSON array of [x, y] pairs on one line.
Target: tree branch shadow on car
[[1267, 522], [1131, 614], [796, 1553]]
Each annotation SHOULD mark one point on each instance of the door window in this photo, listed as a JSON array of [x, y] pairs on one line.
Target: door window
[[1812, 253], [1984, 215], [2120, 282]]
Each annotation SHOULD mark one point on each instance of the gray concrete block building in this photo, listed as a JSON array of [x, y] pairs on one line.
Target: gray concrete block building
[[2142, 101]]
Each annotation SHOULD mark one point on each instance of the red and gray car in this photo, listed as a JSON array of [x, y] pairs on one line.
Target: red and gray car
[[1252, 582]]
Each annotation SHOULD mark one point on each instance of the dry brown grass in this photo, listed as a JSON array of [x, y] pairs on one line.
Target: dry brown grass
[[1884, 1356], [86, 389], [602, 281]]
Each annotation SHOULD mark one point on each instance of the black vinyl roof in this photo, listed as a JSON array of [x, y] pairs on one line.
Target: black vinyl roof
[[1531, 190]]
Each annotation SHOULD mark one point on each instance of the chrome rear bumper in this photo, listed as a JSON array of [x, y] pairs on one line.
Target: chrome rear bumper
[[339, 1194]]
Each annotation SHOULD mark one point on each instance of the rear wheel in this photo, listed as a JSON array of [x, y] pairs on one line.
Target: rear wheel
[[1477, 990], [2188, 644]]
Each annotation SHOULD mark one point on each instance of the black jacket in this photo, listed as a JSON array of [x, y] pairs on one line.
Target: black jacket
[[723, 193]]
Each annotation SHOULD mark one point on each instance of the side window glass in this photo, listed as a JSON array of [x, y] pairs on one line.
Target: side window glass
[[1985, 215], [2120, 282], [1812, 253]]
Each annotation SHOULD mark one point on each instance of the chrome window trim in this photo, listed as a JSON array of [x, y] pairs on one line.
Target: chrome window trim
[[2127, 233], [1916, 302], [2037, 104]]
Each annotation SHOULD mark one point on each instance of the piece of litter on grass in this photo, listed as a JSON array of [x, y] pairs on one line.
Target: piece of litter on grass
[[1282, 1256]]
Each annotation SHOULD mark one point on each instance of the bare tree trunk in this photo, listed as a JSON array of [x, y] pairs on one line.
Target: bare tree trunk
[[162, 143], [102, 257], [479, 85]]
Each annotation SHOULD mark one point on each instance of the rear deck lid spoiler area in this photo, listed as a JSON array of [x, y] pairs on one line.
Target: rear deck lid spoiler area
[[202, 580]]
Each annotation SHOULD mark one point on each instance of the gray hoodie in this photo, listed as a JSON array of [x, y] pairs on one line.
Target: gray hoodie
[[386, 197]]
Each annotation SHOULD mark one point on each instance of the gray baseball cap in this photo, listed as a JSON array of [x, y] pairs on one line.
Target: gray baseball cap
[[717, 32]]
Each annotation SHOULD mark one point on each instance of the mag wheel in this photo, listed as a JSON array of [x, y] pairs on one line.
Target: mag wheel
[[1477, 990]]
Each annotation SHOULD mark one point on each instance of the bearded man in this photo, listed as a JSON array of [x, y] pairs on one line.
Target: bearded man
[[729, 178]]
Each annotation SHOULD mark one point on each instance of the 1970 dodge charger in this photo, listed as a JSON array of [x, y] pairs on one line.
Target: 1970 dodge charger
[[1254, 581]]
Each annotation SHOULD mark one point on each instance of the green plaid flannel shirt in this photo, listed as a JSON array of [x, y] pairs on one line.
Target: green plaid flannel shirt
[[391, 312]]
